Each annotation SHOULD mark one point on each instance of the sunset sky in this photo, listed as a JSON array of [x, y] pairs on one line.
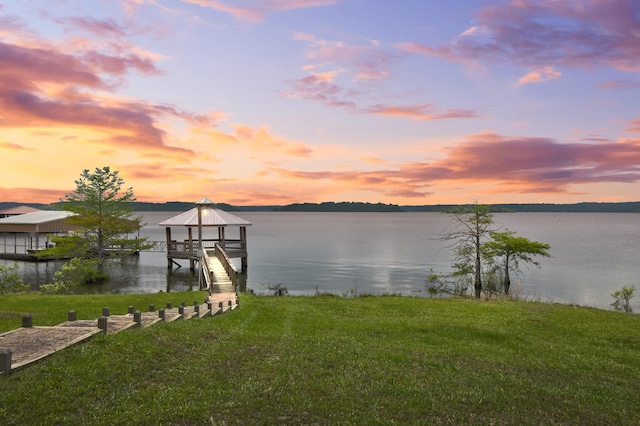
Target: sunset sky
[[261, 102]]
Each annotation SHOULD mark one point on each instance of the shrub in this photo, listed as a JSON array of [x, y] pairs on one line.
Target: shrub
[[622, 299], [10, 280], [75, 272], [278, 290]]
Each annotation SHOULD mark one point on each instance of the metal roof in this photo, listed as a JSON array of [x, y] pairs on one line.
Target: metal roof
[[40, 221], [210, 217], [34, 218]]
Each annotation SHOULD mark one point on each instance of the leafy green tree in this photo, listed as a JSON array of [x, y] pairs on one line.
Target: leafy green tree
[[103, 217], [472, 225], [507, 252]]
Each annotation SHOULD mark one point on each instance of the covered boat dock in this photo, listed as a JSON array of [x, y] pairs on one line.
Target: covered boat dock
[[23, 235], [205, 216], [213, 254]]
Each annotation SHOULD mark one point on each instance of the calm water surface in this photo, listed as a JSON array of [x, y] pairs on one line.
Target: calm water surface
[[594, 254]]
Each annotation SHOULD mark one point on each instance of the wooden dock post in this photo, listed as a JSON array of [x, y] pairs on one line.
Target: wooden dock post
[[103, 323], [137, 318], [5, 361], [27, 321], [105, 312], [71, 316]]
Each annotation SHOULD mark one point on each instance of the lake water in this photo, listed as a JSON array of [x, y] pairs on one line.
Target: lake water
[[593, 254]]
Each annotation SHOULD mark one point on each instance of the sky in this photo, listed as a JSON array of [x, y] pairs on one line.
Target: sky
[[272, 102]]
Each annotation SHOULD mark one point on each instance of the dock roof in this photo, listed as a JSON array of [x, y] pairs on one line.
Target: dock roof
[[210, 217]]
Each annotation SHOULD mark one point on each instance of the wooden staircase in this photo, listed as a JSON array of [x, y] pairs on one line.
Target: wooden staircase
[[221, 282]]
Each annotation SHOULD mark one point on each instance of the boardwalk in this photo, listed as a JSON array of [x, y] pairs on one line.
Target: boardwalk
[[26, 345], [221, 282]]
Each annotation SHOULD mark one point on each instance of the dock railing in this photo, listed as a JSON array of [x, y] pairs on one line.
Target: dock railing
[[204, 261], [231, 270]]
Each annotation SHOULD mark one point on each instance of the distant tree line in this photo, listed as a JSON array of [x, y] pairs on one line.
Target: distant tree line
[[625, 207], [178, 206], [340, 207]]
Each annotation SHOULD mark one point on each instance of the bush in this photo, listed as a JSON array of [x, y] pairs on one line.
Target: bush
[[278, 290], [75, 272], [10, 280], [622, 299]]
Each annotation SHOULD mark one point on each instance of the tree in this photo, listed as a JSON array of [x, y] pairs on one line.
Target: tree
[[510, 251], [103, 217], [472, 225]]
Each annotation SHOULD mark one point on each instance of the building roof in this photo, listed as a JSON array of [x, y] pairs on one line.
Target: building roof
[[40, 221], [18, 210], [210, 217]]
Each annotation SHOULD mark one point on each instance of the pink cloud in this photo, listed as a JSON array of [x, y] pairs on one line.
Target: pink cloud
[[9, 146], [262, 140], [97, 27], [360, 62], [368, 61], [619, 85], [538, 76], [47, 87], [256, 10], [319, 89], [160, 171], [634, 126], [537, 33], [31, 195], [515, 165], [424, 112]]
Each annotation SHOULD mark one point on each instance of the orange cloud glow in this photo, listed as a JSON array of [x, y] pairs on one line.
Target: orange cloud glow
[[544, 74]]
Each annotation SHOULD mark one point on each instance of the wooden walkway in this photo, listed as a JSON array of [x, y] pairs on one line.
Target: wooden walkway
[[221, 282], [23, 346]]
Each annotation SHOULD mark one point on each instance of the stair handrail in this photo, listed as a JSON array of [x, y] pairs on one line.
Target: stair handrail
[[231, 270], [206, 272]]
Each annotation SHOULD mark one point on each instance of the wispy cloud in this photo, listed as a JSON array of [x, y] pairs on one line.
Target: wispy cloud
[[97, 27], [257, 10], [619, 85], [538, 76], [337, 68], [322, 90], [424, 112], [9, 146], [634, 126], [366, 61], [32, 194], [538, 33], [514, 165]]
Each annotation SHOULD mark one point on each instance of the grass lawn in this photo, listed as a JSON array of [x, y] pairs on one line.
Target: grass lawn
[[331, 360]]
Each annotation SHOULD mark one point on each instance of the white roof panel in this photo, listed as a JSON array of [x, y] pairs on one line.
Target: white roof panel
[[42, 216], [210, 217]]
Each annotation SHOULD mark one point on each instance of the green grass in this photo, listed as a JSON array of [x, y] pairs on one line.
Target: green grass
[[331, 360], [52, 310]]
